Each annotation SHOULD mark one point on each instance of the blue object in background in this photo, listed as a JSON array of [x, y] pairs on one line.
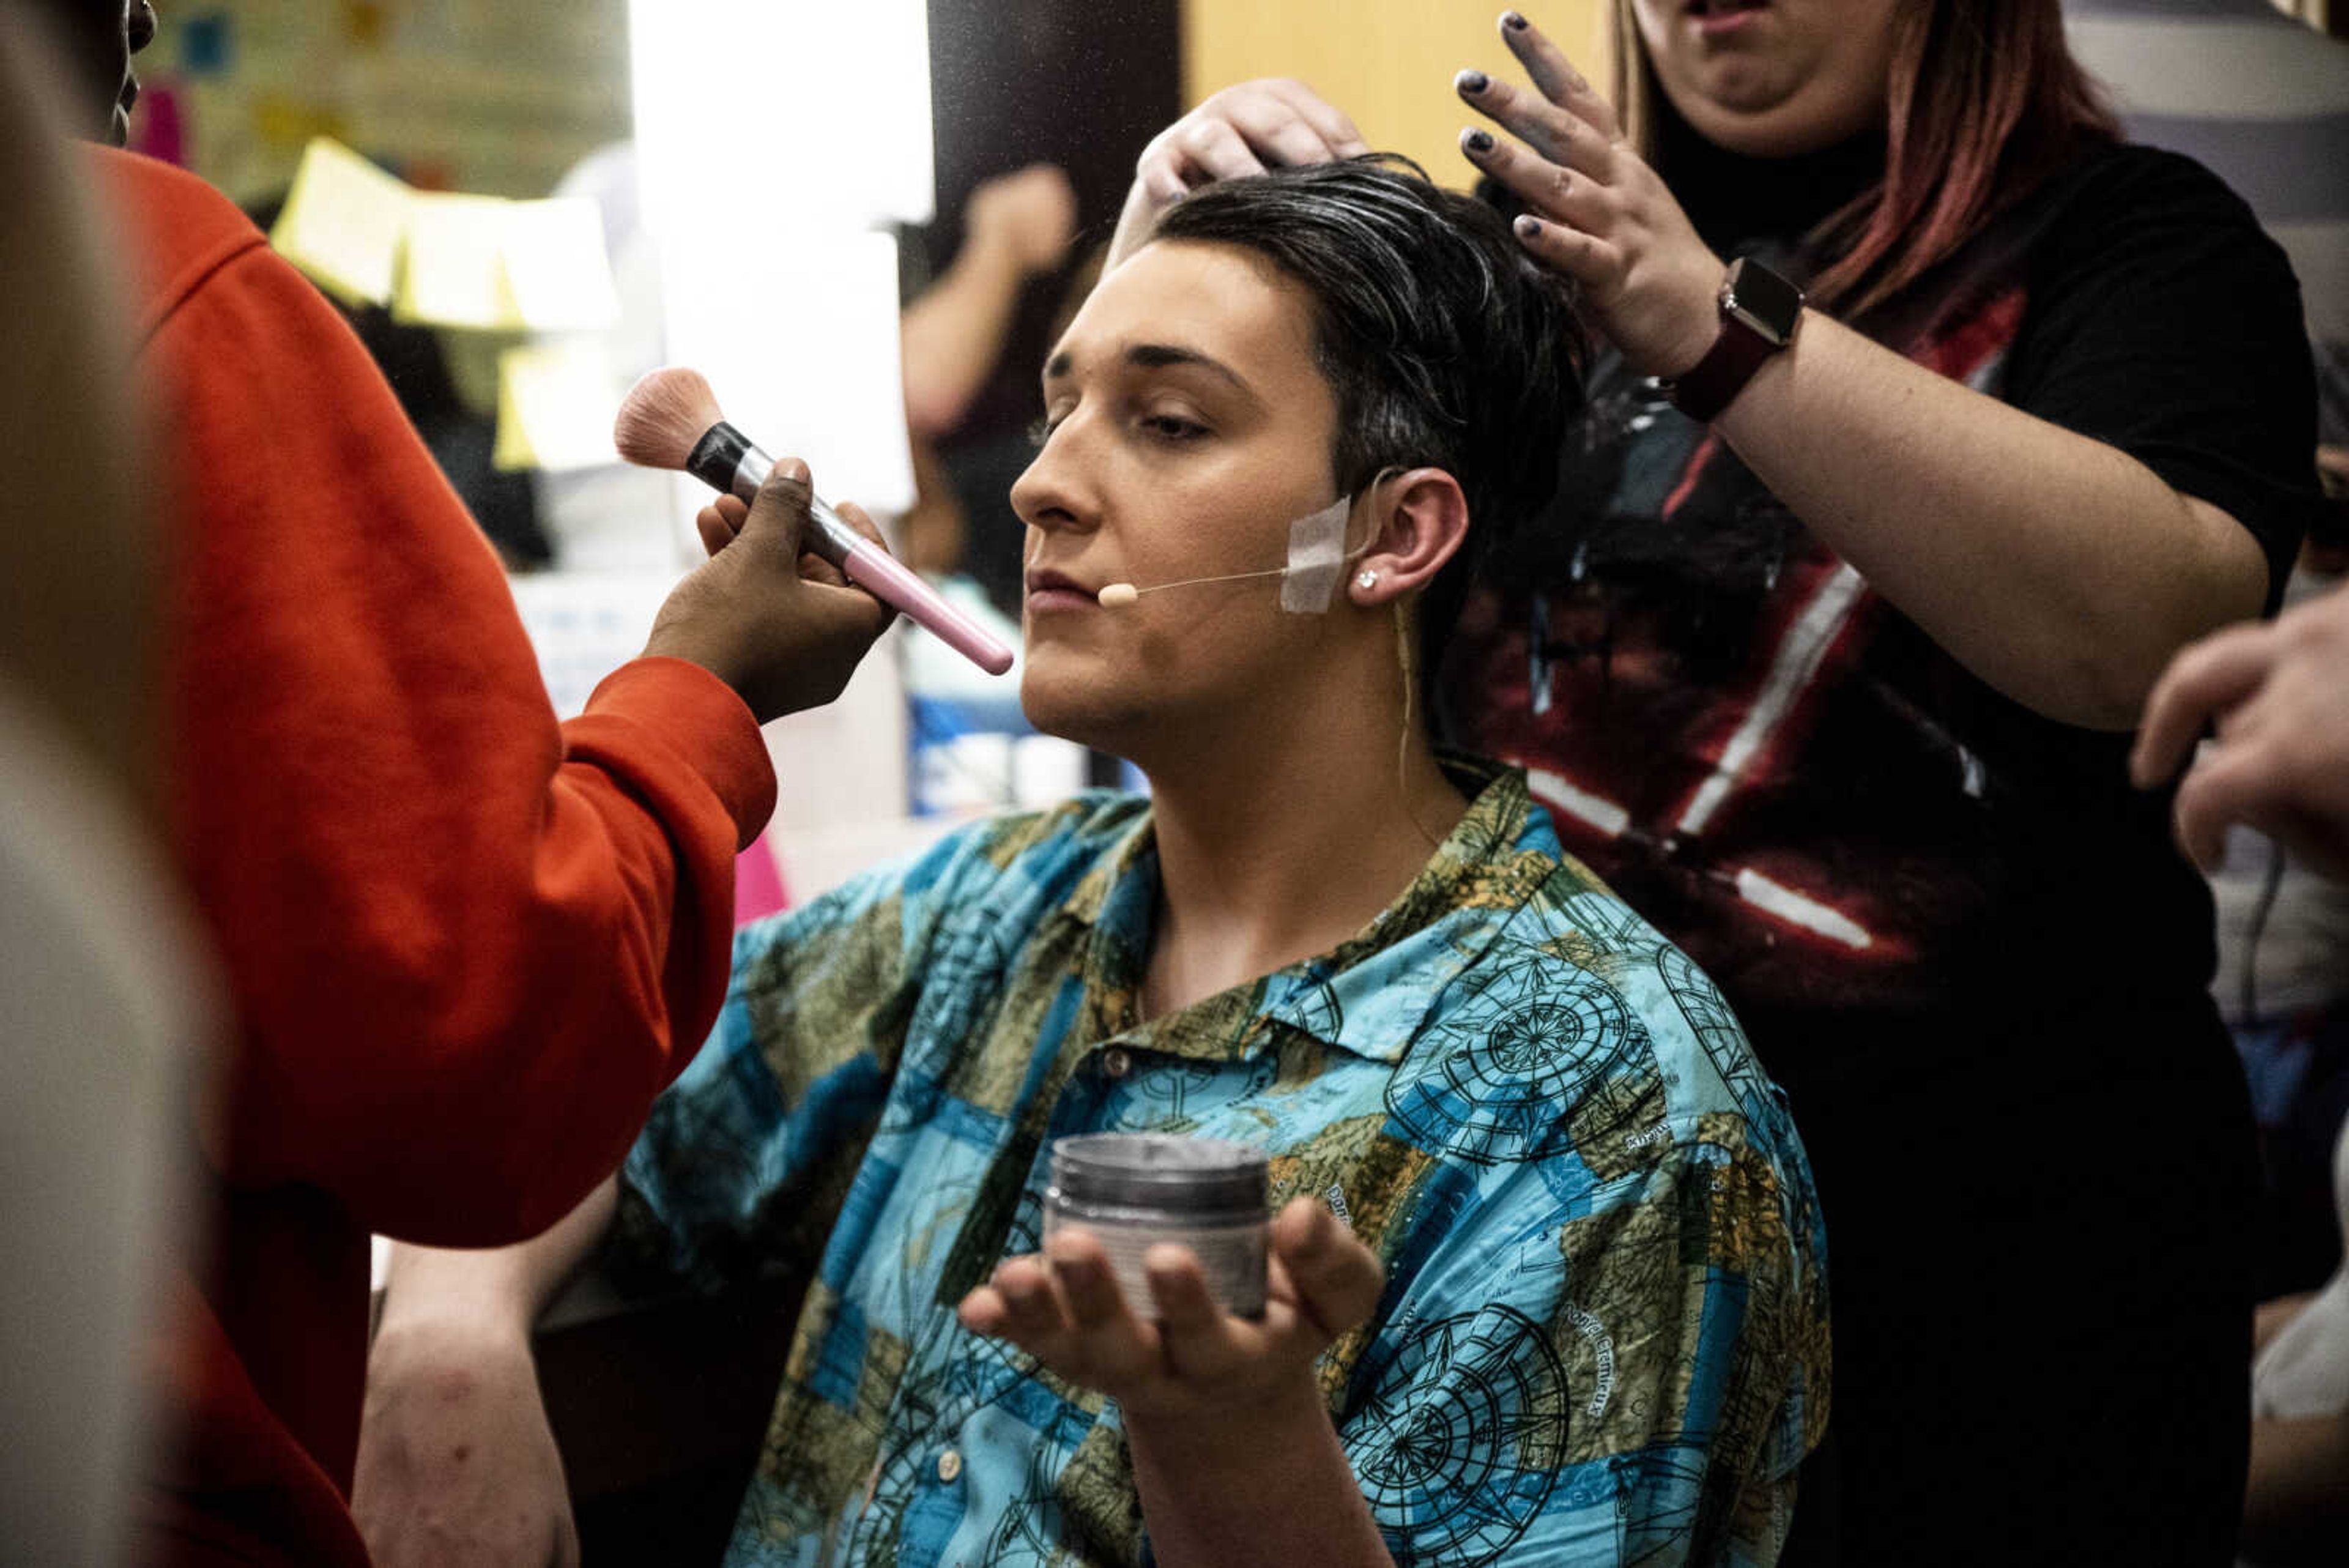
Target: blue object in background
[[206, 42]]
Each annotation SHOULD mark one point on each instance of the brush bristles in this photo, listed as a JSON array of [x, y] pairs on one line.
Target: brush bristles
[[663, 415]]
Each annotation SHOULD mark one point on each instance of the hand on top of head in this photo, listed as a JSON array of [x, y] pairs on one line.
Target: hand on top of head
[[1273, 122], [782, 627]]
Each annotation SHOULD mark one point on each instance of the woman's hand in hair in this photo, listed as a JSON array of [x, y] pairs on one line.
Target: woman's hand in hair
[[1594, 210], [1271, 123]]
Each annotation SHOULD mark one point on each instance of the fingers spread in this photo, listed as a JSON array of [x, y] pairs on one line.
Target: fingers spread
[[1581, 256], [1548, 190], [984, 1312], [1556, 79], [1085, 1280], [1199, 1336], [1337, 1279], [1557, 136], [1032, 1311], [2205, 681]]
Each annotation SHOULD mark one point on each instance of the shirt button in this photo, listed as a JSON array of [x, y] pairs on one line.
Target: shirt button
[[1116, 1062], [950, 1465]]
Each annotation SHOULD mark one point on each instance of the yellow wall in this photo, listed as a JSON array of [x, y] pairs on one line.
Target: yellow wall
[[1388, 63]]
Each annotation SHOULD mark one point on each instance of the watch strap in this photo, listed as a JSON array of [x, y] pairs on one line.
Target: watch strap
[[1713, 381]]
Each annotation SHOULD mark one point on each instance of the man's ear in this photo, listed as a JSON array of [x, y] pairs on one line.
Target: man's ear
[[1419, 519]]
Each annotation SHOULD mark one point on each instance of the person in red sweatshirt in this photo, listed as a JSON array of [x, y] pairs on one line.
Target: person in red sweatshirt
[[465, 945]]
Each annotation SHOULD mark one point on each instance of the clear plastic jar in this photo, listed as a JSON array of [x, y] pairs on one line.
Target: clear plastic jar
[[1130, 1191]]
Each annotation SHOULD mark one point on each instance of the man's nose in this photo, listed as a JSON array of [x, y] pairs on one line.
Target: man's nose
[[1051, 493]]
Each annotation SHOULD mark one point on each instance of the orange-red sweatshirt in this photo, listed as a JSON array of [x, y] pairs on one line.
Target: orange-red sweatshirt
[[465, 945]]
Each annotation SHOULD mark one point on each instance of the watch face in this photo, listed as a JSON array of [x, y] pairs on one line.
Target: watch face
[[1762, 300]]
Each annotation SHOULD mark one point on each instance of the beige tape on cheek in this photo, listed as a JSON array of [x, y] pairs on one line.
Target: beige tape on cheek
[[1317, 559]]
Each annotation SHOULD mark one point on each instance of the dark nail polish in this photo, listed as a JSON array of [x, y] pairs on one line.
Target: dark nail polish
[[1528, 227], [1473, 81], [1480, 141], [1514, 22]]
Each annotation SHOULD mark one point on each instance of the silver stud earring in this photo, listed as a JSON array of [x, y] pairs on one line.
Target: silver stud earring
[[1367, 580]]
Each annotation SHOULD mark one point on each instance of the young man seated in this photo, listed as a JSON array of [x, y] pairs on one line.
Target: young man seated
[[1547, 1282]]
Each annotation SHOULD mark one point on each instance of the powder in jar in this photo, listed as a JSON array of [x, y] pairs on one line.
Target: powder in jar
[[1130, 1191]]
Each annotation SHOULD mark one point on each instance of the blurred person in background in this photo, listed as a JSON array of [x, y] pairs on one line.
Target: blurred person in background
[[2277, 697], [1016, 227], [1826, 656], [465, 946], [105, 995], [2259, 99]]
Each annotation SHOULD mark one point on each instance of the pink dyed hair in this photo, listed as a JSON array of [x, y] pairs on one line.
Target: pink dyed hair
[[1984, 101]]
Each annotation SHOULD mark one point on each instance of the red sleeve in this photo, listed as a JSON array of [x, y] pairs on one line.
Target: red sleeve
[[466, 945]]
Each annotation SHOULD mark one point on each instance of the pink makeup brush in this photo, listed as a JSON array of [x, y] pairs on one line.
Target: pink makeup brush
[[671, 420]]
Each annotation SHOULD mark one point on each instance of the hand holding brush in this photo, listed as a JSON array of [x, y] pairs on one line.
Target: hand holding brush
[[777, 623]]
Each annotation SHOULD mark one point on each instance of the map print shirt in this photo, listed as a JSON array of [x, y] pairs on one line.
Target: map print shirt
[[1603, 1338]]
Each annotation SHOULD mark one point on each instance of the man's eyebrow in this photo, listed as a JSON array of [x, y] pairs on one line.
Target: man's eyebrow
[[1159, 355], [1153, 357]]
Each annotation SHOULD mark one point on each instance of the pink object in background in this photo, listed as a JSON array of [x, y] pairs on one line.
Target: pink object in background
[[158, 127], [759, 888]]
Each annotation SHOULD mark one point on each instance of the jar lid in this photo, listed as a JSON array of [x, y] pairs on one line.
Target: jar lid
[[1160, 1170]]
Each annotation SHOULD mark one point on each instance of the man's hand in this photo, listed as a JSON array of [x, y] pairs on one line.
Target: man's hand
[[1030, 215], [2279, 694], [1193, 1360], [457, 1468], [784, 628], [1268, 124]]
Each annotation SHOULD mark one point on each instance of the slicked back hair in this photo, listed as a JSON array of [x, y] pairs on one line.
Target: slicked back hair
[[1445, 345]]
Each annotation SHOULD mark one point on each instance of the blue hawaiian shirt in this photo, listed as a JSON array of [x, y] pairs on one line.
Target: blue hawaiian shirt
[[1604, 1334]]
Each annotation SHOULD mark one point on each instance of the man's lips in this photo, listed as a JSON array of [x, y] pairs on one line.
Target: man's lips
[[1713, 16], [1057, 590]]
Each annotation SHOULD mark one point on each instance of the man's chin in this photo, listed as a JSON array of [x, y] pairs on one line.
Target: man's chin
[[1065, 705]]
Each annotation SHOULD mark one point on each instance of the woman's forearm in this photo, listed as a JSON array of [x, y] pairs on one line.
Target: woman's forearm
[[1274, 1491], [950, 338], [2058, 569]]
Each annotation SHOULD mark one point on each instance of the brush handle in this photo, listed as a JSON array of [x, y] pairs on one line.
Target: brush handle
[[727, 460], [888, 579]]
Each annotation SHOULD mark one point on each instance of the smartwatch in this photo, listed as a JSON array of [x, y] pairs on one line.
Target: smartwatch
[[1759, 312]]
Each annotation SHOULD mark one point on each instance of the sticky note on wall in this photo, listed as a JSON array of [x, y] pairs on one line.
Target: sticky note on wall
[[492, 265], [445, 260], [556, 402], [454, 273], [556, 266], [344, 224]]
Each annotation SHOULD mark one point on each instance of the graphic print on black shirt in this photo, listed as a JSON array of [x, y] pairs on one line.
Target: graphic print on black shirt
[[1778, 768]]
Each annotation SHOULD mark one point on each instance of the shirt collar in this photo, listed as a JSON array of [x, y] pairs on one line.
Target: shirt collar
[[1370, 995]]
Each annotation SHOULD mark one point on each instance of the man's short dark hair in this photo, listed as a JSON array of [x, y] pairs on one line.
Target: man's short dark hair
[[1445, 343]]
